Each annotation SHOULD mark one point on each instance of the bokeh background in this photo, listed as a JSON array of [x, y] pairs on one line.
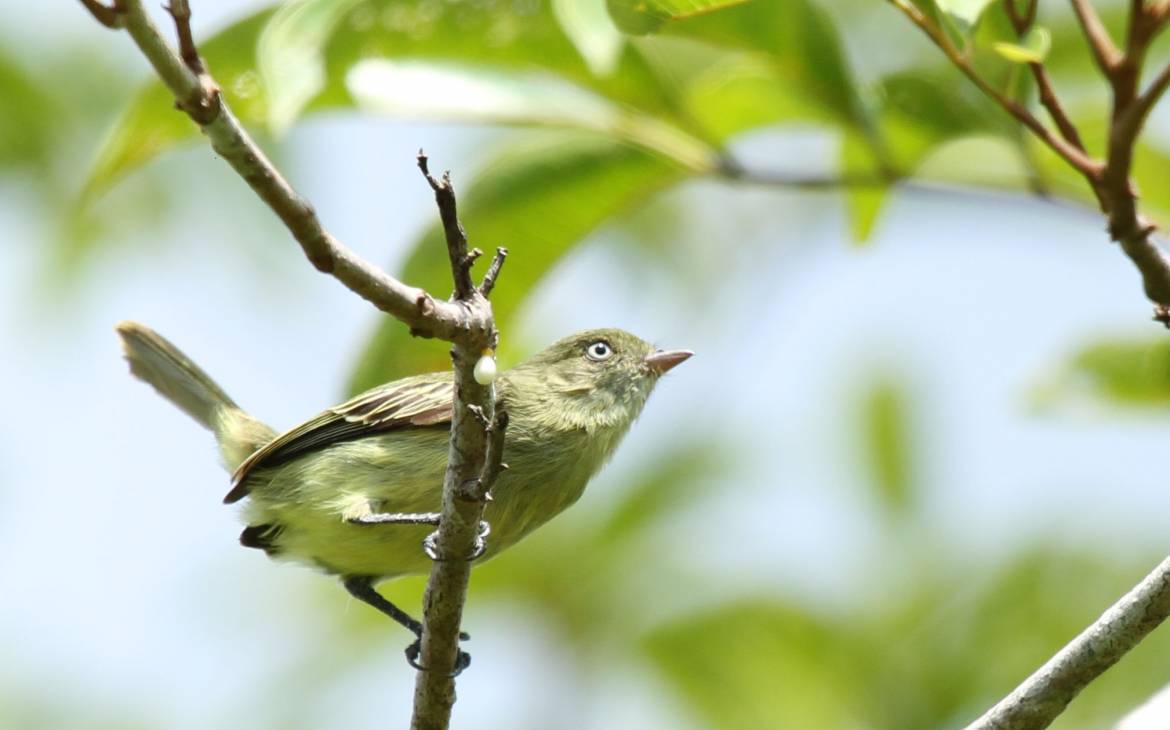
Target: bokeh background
[[920, 445]]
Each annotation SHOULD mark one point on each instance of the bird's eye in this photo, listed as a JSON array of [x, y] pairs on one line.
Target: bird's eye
[[599, 351]]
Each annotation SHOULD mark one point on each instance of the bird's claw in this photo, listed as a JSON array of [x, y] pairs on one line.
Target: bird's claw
[[431, 546], [462, 659]]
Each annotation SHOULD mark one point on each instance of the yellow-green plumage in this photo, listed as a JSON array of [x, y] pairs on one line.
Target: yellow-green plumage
[[385, 451]]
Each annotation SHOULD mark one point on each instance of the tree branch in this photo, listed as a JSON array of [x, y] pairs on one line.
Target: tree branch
[[466, 321], [1045, 694], [1021, 23], [434, 687], [1105, 53], [1071, 154]]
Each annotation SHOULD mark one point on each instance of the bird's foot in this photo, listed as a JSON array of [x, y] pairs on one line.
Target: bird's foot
[[462, 659], [431, 546]]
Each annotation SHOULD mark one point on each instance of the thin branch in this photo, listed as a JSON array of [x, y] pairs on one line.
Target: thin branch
[[180, 12], [198, 96], [1075, 157], [466, 321], [434, 687], [1056, 110], [1045, 694], [461, 260], [1022, 22], [493, 272], [1105, 52]]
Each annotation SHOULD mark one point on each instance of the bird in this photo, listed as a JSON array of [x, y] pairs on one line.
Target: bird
[[346, 491]]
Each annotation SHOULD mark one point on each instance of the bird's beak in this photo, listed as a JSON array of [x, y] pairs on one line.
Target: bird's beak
[[662, 360]]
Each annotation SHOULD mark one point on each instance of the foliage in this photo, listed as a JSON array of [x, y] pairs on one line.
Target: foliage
[[633, 99]]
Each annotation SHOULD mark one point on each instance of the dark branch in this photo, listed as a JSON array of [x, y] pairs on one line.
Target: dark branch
[[1071, 154], [467, 323], [479, 489], [493, 272], [1022, 22], [461, 261], [1104, 51], [180, 11]]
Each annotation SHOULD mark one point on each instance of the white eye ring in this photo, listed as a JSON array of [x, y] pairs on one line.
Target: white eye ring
[[598, 351]]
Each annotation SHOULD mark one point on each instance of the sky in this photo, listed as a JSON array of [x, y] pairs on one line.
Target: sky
[[118, 555]]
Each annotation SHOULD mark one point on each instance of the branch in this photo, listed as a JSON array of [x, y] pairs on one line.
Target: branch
[[1105, 53], [199, 97], [1071, 154], [1045, 694], [1022, 22], [466, 321], [466, 490]]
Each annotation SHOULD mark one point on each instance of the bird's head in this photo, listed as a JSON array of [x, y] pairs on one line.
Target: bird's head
[[597, 378]]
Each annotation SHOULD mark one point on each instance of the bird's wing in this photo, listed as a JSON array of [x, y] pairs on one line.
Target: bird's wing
[[424, 400]]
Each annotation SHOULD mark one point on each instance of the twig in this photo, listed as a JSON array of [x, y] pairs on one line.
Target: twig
[[426, 315], [1071, 154], [456, 237], [1022, 22], [1104, 51], [181, 13], [1045, 694], [466, 321], [493, 272]]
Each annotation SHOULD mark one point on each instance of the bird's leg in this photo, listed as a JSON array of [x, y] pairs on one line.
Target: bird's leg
[[361, 587], [422, 518], [395, 518]]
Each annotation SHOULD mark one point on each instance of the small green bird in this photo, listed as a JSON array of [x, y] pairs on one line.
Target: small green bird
[[314, 492]]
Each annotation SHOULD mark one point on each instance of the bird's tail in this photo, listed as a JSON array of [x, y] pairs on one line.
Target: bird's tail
[[160, 364]]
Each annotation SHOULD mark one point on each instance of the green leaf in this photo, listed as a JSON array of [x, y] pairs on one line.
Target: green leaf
[[289, 55], [1115, 372], [797, 39], [151, 124], [886, 444], [324, 54], [29, 120], [756, 664], [639, 17], [863, 202], [1032, 48], [968, 11], [539, 202], [592, 31]]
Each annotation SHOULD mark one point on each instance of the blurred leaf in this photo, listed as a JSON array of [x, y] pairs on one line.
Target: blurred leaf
[[1033, 48], [669, 483], [1118, 372], [513, 58], [760, 664], [289, 55], [646, 16], [798, 39], [886, 444], [539, 202], [592, 31], [579, 568], [936, 655], [29, 118], [151, 124], [968, 11], [863, 202]]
